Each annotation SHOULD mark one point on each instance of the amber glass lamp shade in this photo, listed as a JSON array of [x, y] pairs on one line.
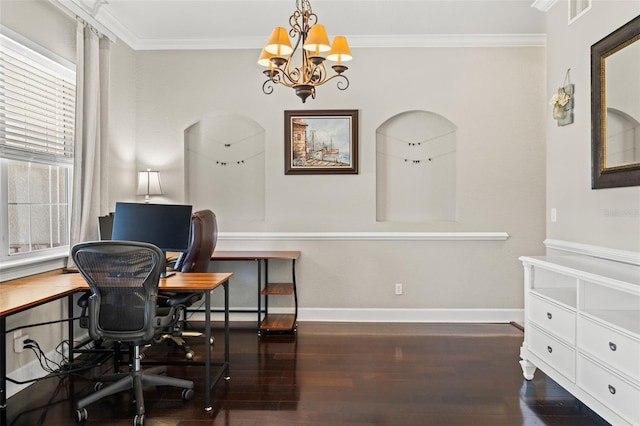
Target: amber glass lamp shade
[[317, 40], [340, 51], [279, 44], [265, 58]]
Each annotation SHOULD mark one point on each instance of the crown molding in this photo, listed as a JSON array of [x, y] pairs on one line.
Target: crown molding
[[76, 8], [450, 40], [543, 5], [101, 19], [366, 41], [392, 41]]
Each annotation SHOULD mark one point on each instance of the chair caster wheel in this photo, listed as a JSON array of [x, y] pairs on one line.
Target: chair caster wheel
[[138, 420], [98, 386], [187, 394], [81, 415], [189, 354]]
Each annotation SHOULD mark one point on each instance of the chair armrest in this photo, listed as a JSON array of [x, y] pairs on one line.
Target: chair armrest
[[83, 301], [171, 262], [166, 320]]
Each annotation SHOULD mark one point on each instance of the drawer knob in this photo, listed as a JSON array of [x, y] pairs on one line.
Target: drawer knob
[[549, 315], [612, 390], [613, 346], [550, 349]]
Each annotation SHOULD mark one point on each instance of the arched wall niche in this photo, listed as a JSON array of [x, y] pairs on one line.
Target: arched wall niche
[[416, 168], [225, 167]]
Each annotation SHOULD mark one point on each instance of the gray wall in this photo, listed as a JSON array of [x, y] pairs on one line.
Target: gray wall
[[495, 97], [604, 217]]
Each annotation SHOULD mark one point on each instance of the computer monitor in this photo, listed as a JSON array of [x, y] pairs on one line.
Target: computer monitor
[[164, 225]]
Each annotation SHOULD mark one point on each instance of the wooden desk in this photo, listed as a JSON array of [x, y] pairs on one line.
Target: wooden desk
[[25, 293], [270, 323]]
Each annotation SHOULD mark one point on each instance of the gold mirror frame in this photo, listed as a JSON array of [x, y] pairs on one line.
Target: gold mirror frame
[[601, 175]]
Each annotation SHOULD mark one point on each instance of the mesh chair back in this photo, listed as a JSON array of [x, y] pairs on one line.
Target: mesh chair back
[[123, 277]]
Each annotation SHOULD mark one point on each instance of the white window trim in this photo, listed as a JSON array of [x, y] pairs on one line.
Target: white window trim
[[579, 15], [19, 265], [16, 42]]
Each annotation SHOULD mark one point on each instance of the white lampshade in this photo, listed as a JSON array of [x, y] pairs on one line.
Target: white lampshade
[[149, 183]]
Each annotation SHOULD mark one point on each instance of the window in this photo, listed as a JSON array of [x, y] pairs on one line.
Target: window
[[577, 8], [37, 115]]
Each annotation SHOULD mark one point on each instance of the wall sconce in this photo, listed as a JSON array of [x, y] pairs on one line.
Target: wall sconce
[[149, 184]]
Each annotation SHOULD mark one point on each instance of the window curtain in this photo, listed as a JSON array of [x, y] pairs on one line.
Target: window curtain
[[90, 168]]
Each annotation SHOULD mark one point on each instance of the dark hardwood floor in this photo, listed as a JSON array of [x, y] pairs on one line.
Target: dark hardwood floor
[[338, 374]]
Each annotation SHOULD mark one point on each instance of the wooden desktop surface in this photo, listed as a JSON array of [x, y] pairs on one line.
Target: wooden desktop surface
[[24, 293]]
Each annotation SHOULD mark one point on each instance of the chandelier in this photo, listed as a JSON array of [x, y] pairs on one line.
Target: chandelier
[[302, 67]]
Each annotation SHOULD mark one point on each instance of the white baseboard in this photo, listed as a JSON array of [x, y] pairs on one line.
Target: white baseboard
[[383, 315], [411, 315]]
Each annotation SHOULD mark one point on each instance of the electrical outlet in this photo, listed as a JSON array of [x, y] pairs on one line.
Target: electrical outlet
[[398, 289], [18, 343]]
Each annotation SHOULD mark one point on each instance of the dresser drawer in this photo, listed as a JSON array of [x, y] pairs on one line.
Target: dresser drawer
[[610, 347], [553, 318], [551, 350], [613, 392]]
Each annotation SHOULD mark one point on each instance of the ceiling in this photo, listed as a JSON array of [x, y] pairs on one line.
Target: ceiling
[[225, 24]]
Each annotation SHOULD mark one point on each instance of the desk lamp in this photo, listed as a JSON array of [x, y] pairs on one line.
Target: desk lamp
[[149, 184]]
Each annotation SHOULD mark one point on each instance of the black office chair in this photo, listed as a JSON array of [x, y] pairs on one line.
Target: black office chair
[[123, 277], [105, 228], [202, 243]]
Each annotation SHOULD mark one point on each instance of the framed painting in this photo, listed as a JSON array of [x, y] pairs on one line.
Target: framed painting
[[321, 142]]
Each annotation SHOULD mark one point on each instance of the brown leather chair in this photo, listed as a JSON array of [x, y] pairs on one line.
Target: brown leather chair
[[203, 239]]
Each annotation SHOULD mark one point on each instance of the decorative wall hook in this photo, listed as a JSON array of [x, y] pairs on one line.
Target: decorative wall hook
[[562, 102]]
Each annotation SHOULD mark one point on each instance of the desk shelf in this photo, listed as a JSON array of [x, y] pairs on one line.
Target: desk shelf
[[270, 322], [278, 322], [280, 289]]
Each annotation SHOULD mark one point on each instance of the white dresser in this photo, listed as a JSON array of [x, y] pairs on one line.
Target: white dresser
[[582, 328]]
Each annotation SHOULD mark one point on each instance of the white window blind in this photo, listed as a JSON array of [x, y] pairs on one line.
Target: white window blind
[[37, 120], [37, 106]]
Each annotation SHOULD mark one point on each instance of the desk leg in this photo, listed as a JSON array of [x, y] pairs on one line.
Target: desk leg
[[3, 370], [207, 352], [226, 330], [259, 273], [70, 327]]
